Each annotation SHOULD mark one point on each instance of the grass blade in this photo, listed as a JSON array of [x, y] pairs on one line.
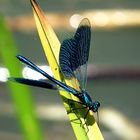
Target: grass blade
[[51, 46], [20, 94]]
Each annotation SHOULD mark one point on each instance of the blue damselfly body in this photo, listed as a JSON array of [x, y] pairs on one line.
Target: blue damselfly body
[[73, 59]]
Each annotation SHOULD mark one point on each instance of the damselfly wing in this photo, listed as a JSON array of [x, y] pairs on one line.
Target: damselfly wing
[[74, 54]]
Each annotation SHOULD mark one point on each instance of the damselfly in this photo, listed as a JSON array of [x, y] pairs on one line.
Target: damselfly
[[73, 58]]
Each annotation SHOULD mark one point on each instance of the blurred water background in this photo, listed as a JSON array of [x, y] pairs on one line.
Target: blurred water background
[[111, 49]]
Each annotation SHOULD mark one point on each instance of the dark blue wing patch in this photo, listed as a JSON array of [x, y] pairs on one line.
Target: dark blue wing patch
[[74, 52], [37, 83]]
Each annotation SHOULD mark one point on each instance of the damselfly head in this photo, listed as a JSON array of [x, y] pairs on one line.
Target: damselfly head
[[95, 106]]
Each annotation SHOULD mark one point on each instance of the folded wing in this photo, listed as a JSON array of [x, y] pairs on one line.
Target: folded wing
[[74, 54]]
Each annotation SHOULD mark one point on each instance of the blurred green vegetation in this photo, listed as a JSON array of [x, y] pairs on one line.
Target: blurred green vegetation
[[21, 95]]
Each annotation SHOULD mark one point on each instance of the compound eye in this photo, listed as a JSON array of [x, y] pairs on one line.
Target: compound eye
[[96, 106]]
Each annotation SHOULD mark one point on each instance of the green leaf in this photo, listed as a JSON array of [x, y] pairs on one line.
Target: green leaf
[[51, 46]]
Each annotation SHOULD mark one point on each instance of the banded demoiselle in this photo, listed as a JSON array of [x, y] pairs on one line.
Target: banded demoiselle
[[73, 59]]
